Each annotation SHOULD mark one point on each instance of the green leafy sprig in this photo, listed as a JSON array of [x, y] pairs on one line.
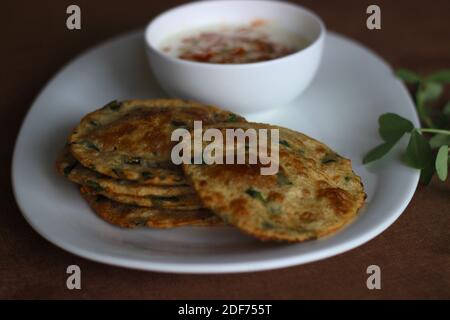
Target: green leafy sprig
[[429, 89], [420, 152]]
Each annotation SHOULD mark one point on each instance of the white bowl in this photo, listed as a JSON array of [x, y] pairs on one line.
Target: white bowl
[[243, 88]]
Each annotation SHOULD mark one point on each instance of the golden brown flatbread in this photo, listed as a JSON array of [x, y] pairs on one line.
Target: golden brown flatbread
[[314, 193]]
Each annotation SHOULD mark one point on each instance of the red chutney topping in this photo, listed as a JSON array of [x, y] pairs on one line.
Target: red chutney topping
[[247, 44]]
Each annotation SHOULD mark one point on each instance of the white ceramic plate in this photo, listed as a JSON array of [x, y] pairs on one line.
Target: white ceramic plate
[[352, 88]]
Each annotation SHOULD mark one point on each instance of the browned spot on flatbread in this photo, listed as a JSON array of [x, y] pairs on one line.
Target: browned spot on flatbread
[[340, 200], [307, 216], [320, 149], [239, 206], [136, 131], [248, 172], [306, 192], [275, 196]]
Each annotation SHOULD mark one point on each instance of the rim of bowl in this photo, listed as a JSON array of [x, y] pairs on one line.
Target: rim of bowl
[[319, 38]]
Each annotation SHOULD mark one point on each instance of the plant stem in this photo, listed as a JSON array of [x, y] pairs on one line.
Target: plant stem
[[420, 105], [429, 130]]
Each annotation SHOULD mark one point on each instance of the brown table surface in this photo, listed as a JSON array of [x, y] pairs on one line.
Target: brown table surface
[[414, 253]]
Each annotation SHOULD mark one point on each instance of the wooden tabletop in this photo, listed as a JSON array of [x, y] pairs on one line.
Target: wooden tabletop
[[413, 254]]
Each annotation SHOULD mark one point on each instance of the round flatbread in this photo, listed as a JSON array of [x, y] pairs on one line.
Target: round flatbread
[[69, 167], [128, 216], [314, 193], [127, 139]]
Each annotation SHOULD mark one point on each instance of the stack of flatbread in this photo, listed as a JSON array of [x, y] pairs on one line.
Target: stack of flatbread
[[120, 156]]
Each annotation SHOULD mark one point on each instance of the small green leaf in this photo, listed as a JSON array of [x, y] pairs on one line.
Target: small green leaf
[[420, 106], [440, 76], [378, 152], [113, 105], [439, 139], [67, 170], [446, 109], [267, 225], [282, 179], [442, 162], [392, 126], [94, 185], [427, 92], [255, 194], [147, 175], [284, 143], [426, 174], [408, 75], [232, 118], [430, 91], [132, 160], [90, 145], [418, 152]]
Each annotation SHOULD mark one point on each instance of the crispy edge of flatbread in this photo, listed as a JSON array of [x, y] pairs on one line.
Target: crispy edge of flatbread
[[128, 216], [69, 167]]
